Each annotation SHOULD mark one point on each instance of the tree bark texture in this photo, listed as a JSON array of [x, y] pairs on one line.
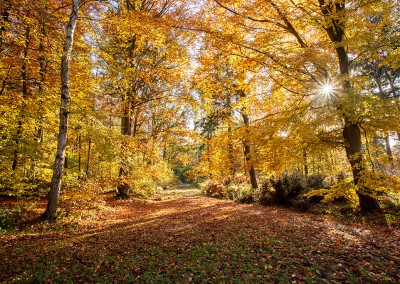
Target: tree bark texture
[[50, 213], [123, 188]]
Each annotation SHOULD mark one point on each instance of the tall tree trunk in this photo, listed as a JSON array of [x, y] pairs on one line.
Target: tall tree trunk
[[352, 140], [79, 154], [123, 188], [305, 162], [50, 213], [231, 157], [38, 134], [391, 83], [42, 80], [247, 148], [88, 158], [351, 130], [164, 153], [24, 75]]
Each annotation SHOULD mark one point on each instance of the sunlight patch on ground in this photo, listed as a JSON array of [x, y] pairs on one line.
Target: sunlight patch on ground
[[178, 191]]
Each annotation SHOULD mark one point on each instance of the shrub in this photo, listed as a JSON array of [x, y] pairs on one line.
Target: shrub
[[215, 189], [239, 192], [241, 179], [266, 193], [244, 193], [288, 187], [183, 173], [315, 182], [288, 190]]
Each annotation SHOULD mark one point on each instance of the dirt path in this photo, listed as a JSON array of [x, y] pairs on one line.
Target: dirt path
[[186, 238], [180, 190]]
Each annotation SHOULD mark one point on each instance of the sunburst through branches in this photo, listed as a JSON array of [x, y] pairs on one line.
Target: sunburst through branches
[[327, 91]]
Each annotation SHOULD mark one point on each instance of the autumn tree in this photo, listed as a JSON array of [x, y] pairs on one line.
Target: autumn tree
[[26, 93], [146, 58], [51, 210], [286, 43]]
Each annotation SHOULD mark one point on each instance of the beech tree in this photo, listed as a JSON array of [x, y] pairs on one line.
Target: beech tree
[[283, 42], [147, 62]]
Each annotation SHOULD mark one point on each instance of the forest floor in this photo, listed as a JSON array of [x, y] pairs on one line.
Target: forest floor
[[182, 237]]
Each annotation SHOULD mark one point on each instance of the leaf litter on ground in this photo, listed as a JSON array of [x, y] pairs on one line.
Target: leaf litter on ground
[[181, 237]]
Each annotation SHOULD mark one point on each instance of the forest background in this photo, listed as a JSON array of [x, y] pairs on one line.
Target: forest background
[[288, 102]]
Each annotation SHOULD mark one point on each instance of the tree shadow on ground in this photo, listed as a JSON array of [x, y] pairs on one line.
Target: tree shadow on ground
[[172, 239]]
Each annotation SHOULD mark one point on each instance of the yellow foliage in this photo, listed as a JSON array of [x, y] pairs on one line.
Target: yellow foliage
[[373, 183], [344, 189]]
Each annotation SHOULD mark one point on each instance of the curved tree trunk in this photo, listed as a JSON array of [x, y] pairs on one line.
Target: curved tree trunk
[[50, 213]]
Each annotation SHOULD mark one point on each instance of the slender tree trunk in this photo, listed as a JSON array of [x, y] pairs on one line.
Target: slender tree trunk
[[246, 144], [17, 143], [123, 188], [42, 79], [24, 75], [136, 121], [50, 213], [38, 134], [305, 162], [394, 93], [391, 83], [79, 153], [231, 157], [66, 161], [164, 153], [88, 158]]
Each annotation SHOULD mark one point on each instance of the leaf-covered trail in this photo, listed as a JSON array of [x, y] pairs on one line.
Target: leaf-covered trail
[[186, 238]]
